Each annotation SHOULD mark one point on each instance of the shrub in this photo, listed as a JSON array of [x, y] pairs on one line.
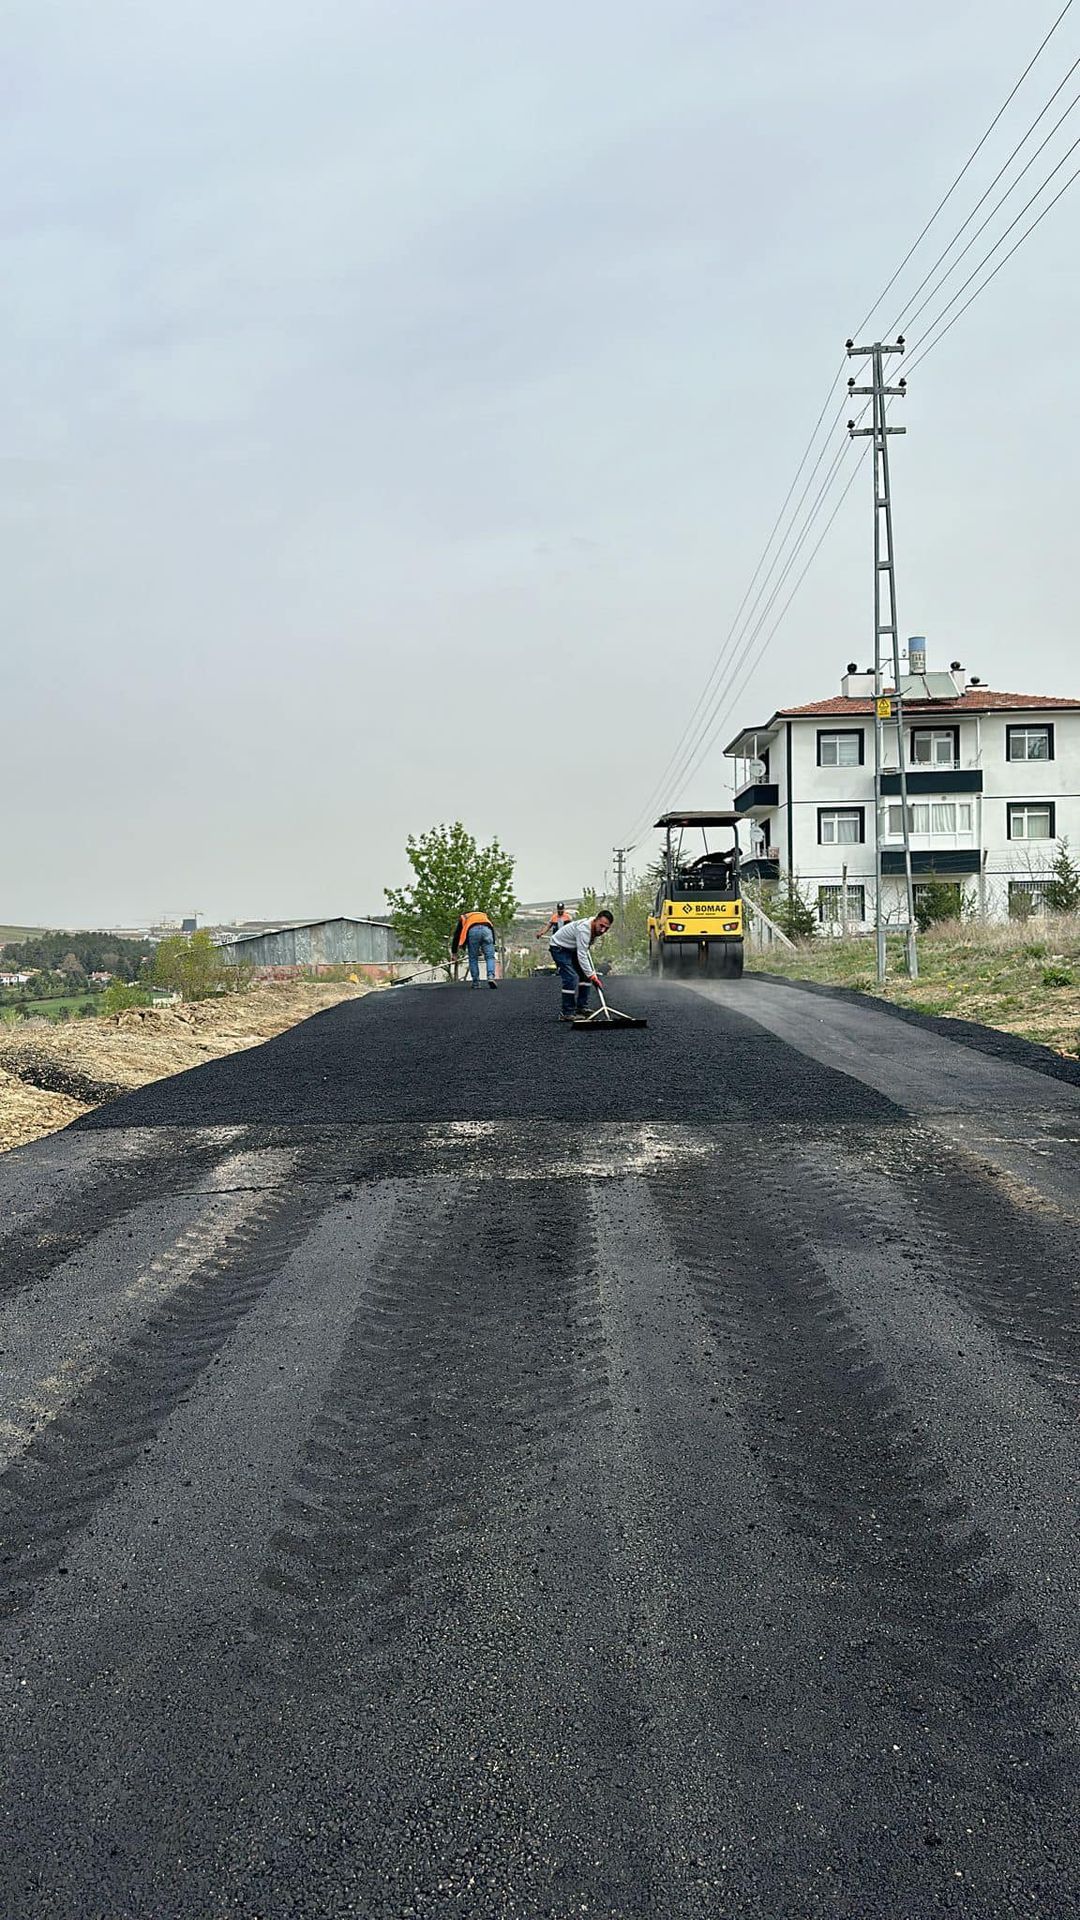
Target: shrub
[[1057, 976], [937, 900], [191, 965], [117, 996], [1061, 891], [786, 904]]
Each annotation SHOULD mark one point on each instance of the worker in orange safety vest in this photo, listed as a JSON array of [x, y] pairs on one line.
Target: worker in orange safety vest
[[560, 918], [475, 933]]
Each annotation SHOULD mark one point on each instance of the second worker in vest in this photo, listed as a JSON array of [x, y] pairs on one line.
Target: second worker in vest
[[571, 951], [476, 934]]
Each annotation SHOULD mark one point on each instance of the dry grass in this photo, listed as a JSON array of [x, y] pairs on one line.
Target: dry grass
[[1022, 976], [50, 1074]]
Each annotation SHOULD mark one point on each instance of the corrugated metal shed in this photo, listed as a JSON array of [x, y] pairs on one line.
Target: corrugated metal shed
[[314, 943]]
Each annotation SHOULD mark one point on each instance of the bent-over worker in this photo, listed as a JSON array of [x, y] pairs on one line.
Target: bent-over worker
[[476, 934], [571, 951]]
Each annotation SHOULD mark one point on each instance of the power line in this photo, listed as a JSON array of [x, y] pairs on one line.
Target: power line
[[722, 705], [996, 208], [985, 196], [936, 338], [722, 699], [741, 630], [733, 630], [989, 254], [972, 156], [737, 693]]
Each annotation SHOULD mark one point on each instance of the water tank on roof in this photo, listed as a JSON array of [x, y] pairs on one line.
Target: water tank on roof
[[916, 653]]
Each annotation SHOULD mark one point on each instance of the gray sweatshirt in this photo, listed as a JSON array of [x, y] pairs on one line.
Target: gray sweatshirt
[[576, 935]]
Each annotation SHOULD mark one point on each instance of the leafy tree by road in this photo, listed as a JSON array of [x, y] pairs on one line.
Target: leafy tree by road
[[190, 965], [451, 873]]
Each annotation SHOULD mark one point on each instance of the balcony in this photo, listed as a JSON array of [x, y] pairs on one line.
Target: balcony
[[760, 797], [762, 864], [933, 780], [942, 863]]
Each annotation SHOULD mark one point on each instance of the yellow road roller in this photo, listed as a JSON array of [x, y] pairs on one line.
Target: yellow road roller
[[696, 925]]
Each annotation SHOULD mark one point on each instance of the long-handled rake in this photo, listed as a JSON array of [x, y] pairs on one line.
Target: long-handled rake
[[604, 1019]]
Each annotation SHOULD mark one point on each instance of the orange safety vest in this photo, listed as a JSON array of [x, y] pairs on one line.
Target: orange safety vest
[[473, 920]]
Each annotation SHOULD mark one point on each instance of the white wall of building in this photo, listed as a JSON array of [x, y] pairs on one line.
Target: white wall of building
[[979, 825]]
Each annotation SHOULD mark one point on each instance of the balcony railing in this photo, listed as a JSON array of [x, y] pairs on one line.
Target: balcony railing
[[933, 780]]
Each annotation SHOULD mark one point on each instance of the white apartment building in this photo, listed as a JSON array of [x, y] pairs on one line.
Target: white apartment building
[[993, 786]]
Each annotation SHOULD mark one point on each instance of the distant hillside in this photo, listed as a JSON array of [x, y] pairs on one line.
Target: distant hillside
[[20, 933]]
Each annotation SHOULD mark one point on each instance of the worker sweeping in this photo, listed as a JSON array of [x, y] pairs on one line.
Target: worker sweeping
[[571, 950], [475, 933]]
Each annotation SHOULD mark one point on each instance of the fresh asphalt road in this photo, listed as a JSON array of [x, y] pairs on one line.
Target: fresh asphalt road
[[456, 1466]]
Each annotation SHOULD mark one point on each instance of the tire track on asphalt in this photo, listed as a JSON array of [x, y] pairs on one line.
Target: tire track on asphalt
[[76, 1460], [31, 1252], [932, 1629], [44, 1399], [410, 1563], [993, 1408], [1015, 1264]]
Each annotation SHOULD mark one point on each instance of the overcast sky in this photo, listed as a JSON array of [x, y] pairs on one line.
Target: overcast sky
[[399, 393]]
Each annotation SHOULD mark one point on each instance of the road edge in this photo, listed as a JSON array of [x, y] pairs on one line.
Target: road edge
[[1008, 1047]]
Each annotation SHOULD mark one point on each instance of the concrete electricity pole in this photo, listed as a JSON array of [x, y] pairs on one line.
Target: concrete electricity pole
[[891, 708], [620, 883]]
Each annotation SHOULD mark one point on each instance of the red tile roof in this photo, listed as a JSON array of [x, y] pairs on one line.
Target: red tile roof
[[975, 700]]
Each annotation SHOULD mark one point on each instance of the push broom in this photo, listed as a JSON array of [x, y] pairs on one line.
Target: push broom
[[604, 1019]]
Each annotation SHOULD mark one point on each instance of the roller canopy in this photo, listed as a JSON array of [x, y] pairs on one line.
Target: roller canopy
[[699, 820]]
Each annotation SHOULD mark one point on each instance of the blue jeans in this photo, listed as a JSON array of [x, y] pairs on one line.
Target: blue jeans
[[480, 940], [575, 990]]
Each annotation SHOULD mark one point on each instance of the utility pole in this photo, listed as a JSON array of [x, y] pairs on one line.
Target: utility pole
[[620, 869], [886, 631]]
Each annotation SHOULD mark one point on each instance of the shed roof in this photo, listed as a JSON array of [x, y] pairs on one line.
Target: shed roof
[[227, 937]]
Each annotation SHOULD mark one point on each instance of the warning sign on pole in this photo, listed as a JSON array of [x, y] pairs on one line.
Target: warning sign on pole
[[884, 709]]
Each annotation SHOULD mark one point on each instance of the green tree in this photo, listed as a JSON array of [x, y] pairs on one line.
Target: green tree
[[119, 995], [451, 873], [785, 902], [1061, 891], [189, 964], [626, 944]]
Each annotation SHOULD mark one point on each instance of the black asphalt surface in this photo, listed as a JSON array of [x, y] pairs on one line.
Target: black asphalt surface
[[450, 1465]]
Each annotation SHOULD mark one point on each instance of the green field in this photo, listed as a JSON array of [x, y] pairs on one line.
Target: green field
[[50, 1008], [13, 935]]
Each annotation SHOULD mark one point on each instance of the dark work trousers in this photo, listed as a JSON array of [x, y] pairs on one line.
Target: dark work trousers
[[575, 990]]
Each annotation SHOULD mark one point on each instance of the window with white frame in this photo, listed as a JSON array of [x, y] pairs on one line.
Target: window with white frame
[[1029, 743], [840, 826], [935, 746], [1031, 820], [841, 906], [843, 749], [932, 816]]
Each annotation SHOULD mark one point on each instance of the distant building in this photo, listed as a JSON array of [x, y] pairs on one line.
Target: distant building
[[14, 979], [991, 783], [312, 946]]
